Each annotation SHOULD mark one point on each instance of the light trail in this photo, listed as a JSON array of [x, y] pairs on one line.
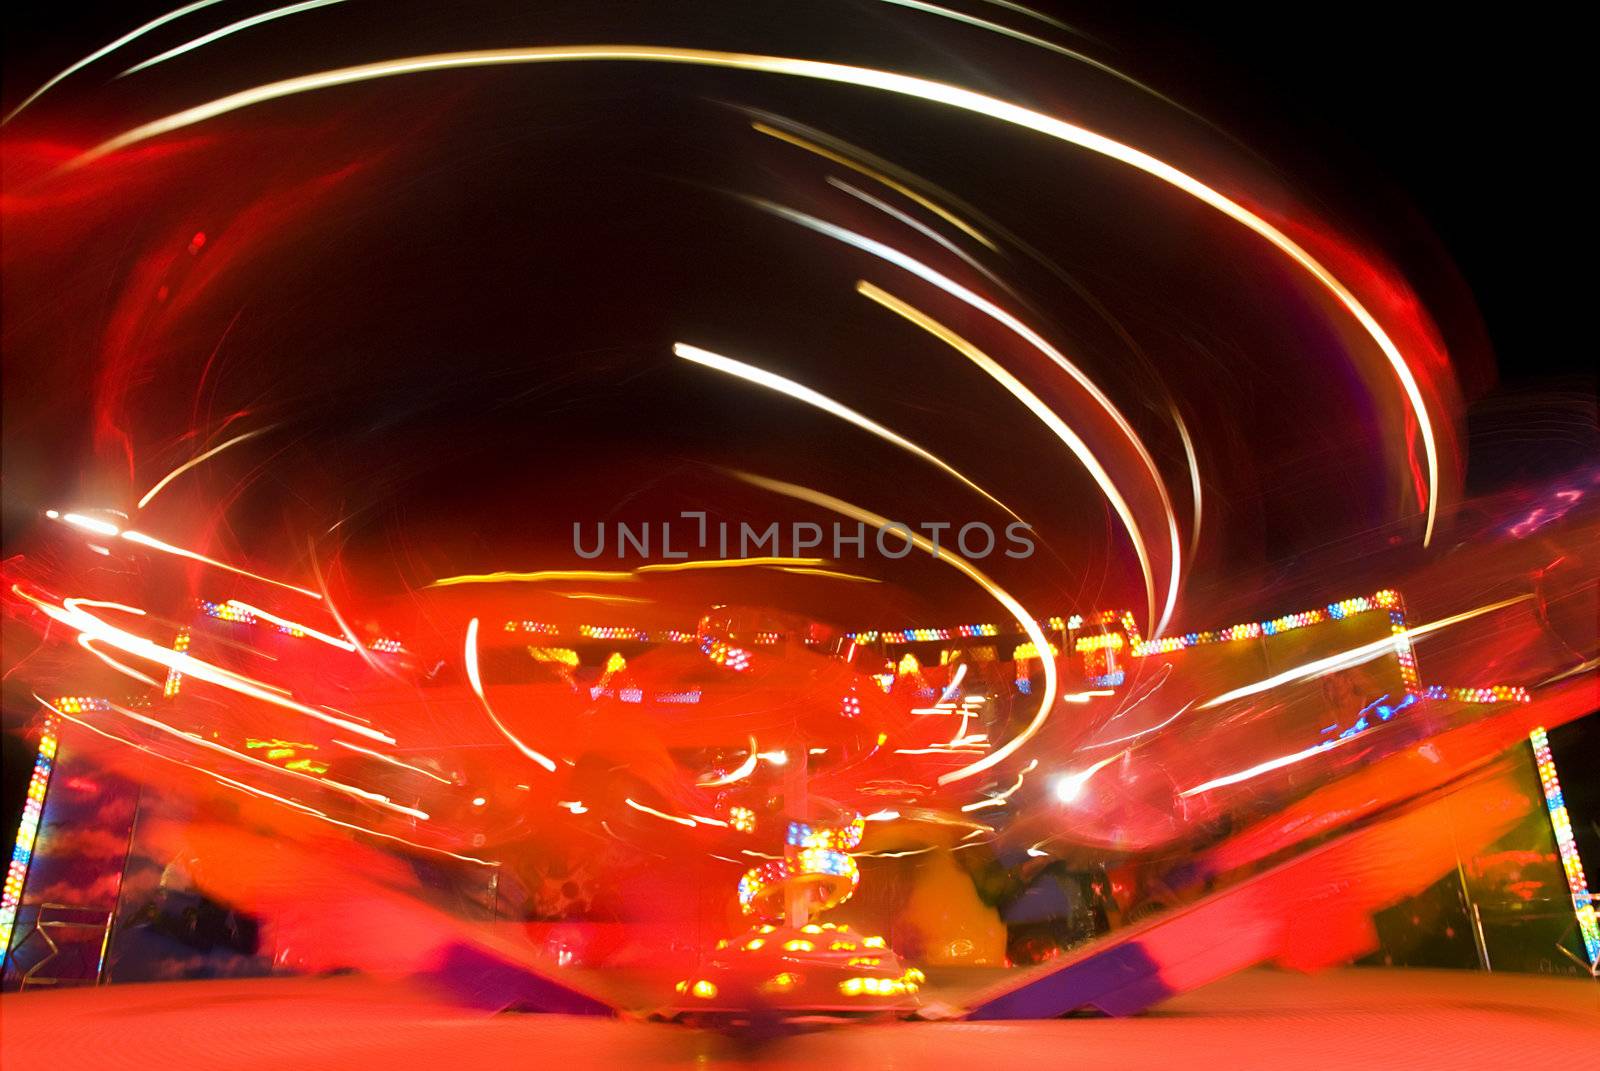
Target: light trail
[[1194, 481], [1020, 9], [595, 596], [392, 761], [866, 78], [1069, 787], [829, 574], [109, 530], [128, 671], [1047, 417], [88, 524], [199, 741], [878, 176], [1037, 42], [955, 683], [999, 798], [101, 53], [226, 31], [731, 563], [338, 618], [917, 225], [294, 626], [1355, 656], [999, 594], [738, 773], [470, 655], [644, 809], [537, 577], [558, 575], [263, 794], [87, 624], [1142, 732], [1033, 339], [1261, 768], [788, 387], [192, 462], [167, 548]]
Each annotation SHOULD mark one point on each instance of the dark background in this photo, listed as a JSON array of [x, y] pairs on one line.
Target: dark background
[[1476, 123]]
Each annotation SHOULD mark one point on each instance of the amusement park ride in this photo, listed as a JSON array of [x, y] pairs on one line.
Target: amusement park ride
[[1202, 767], [761, 516]]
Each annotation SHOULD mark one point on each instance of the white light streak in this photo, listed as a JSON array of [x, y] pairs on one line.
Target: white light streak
[[470, 655]]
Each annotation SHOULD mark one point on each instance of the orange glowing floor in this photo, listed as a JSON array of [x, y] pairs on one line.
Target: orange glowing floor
[[1353, 1018]]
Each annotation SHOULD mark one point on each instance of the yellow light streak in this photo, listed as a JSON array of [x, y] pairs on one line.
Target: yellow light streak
[[192, 462], [100, 631], [878, 176], [538, 577], [863, 77], [199, 741], [1037, 342], [228, 30], [738, 773], [284, 800], [830, 574], [1038, 408], [730, 563], [690, 822], [799, 392]]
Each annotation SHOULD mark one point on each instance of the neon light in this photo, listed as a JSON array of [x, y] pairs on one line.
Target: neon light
[[1571, 865]]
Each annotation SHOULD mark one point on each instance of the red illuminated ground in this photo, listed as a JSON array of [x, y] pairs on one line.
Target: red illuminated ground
[[1367, 1019]]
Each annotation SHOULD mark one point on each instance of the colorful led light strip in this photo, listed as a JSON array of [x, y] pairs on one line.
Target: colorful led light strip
[[760, 884], [725, 654], [242, 615], [180, 643], [1333, 611], [622, 632], [27, 832], [818, 851], [1571, 865], [834, 838], [1386, 600], [1499, 693], [227, 611], [924, 635]]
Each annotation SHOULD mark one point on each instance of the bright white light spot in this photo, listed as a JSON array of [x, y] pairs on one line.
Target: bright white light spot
[[90, 524], [1070, 787]]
